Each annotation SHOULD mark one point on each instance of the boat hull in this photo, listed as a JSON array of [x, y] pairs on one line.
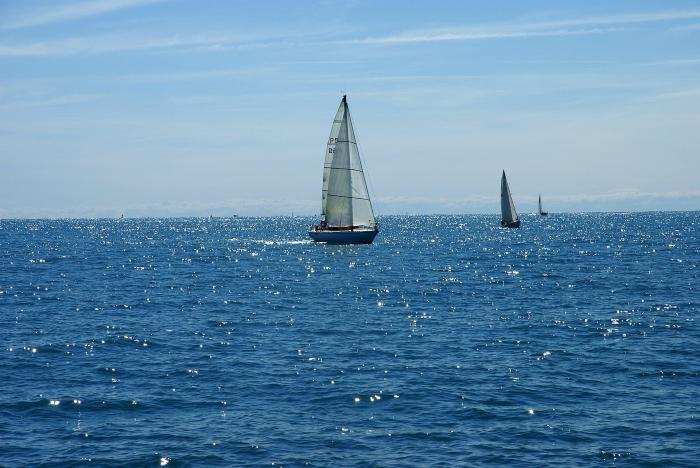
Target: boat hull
[[364, 236], [514, 224]]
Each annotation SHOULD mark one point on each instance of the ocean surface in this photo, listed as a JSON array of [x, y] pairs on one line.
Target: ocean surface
[[573, 341]]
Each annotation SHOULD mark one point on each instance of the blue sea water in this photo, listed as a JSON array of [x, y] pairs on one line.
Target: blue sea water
[[193, 342]]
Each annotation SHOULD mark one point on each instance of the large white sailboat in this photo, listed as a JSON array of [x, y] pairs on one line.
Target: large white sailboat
[[346, 210], [509, 217]]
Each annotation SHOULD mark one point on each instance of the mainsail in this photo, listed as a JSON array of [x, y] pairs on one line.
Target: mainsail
[[539, 204], [346, 198], [508, 213], [330, 148]]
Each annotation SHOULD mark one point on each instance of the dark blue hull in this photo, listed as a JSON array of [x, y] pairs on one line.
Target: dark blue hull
[[365, 236], [514, 224]]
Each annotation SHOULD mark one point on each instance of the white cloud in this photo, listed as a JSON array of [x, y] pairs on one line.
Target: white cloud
[[197, 75], [632, 18], [478, 36], [686, 27], [517, 29], [687, 61], [119, 43], [210, 42], [680, 94], [72, 11], [52, 101]]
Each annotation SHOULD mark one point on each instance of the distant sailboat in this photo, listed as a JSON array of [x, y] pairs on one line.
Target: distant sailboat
[[539, 207], [509, 217], [346, 210]]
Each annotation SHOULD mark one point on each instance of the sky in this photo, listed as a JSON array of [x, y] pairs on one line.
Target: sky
[[192, 108]]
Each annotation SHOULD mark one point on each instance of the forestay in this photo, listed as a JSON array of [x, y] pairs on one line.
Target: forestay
[[347, 200]]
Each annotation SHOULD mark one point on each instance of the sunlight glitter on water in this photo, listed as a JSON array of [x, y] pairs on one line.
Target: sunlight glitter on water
[[304, 338]]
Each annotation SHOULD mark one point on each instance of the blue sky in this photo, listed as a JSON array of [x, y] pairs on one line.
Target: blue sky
[[168, 108]]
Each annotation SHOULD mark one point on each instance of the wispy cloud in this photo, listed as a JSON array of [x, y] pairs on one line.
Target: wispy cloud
[[519, 29], [409, 38], [686, 27], [212, 42], [631, 18], [680, 94], [71, 12], [686, 61], [53, 101], [203, 75], [127, 42]]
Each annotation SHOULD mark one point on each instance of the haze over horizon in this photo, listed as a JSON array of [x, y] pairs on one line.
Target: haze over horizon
[[183, 108]]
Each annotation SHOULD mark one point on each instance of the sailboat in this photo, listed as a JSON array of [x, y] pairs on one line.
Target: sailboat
[[539, 207], [509, 217], [346, 209]]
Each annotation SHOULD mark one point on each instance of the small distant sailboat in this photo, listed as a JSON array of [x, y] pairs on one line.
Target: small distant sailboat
[[346, 210], [509, 217], [539, 206]]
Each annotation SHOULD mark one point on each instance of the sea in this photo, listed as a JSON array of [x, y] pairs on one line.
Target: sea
[[572, 341]]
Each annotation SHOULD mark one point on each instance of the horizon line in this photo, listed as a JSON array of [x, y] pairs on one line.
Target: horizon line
[[206, 217]]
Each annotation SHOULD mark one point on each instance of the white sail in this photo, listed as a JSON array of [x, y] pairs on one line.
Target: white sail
[[330, 148], [347, 198], [508, 213]]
